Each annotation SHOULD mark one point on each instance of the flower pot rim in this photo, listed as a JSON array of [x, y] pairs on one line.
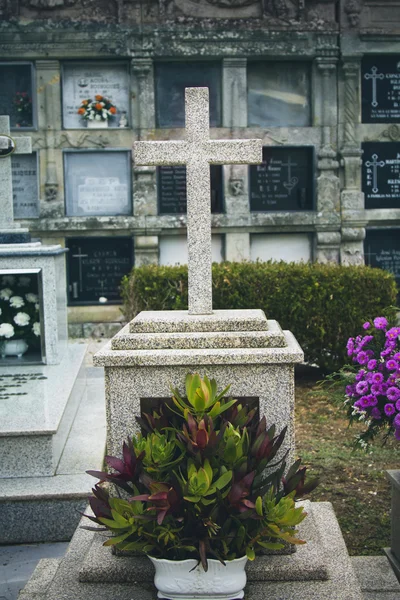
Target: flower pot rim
[[194, 560]]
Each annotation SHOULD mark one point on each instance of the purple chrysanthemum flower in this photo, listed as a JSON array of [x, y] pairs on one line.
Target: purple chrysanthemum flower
[[357, 404], [389, 410], [398, 405], [376, 389], [377, 377], [362, 358], [364, 401], [380, 323], [386, 352], [373, 400], [391, 379], [393, 394], [350, 346], [360, 374], [396, 421], [376, 413], [393, 333], [361, 387], [397, 434], [384, 387], [367, 325], [392, 364], [350, 390], [371, 364], [397, 356]]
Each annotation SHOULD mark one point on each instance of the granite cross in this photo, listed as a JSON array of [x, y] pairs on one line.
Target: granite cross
[[197, 152], [23, 145]]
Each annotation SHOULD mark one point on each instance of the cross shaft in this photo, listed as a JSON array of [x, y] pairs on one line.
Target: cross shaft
[[197, 152]]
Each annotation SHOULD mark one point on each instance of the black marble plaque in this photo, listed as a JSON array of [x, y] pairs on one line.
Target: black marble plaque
[[96, 267], [382, 250], [171, 80], [16, 94], [25, 186], [171, 186], [381, 174], [380, 88], [284, 180]]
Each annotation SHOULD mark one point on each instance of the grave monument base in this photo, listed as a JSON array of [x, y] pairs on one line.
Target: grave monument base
[[51, 431], [320, 569], [14, 236]]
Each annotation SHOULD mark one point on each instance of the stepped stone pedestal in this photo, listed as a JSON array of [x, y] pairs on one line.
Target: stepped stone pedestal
[[51, 431], [158, 349]]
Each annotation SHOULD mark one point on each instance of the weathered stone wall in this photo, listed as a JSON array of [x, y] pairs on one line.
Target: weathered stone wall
[[331, 37]]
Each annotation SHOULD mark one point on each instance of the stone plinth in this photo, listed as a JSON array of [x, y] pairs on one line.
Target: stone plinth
[[158, 349], [51, 261]]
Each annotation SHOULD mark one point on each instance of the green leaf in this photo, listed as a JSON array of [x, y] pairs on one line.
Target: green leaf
[[117, 539], [250, 553], [223, 480], [199, 403], [259, 506], [271, 545]]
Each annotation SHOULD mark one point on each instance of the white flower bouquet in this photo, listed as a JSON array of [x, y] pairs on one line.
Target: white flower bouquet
[[99, 109], [19, 309]]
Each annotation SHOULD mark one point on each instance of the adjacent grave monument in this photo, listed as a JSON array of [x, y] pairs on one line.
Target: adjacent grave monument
[[239, 347], [40, 475]]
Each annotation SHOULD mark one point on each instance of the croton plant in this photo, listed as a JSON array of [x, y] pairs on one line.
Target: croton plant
[[203, 480]]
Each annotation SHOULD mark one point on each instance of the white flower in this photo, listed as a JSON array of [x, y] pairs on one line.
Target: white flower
[[8, 280], [24, 281], [91, 117], [6, 330], [17, 302], [37, 306], [22, 319], [98, 118], [36, 328], [32, 298], [6, 294]]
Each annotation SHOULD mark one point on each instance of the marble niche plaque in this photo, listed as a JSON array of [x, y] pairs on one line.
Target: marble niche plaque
[[382, 250], [16, 94], [25, 186], [171, 80], [98, 183], [171, 186], [278, 94], [380, 89], [381, 174], [96, 267], [82, 81], [284, 180]]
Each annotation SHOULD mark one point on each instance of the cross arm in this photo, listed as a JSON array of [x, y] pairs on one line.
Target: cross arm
[[155, 154], [23, 145], [234, 152]]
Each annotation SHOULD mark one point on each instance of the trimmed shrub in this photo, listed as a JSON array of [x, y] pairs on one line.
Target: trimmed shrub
[[323, 305]]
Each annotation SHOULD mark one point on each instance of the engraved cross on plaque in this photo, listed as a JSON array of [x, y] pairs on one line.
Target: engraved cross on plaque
[[292, 181], [374, 75], [375, 164], [197, 152], [22, 146], [79, 256]]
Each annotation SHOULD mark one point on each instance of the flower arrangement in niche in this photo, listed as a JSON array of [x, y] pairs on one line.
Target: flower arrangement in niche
[[372, 382], [23, 107], [204, 480], [99, 109], [19, 309]]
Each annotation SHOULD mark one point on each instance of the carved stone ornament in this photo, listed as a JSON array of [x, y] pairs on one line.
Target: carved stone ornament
[[236, 186], [46, 4], [352, 9], [51, 191]]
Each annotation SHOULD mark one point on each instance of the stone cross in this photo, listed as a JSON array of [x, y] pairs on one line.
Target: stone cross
[[197, 152], [23, 145]]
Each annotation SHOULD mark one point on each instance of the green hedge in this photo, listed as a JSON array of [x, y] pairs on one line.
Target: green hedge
[[321, 304]]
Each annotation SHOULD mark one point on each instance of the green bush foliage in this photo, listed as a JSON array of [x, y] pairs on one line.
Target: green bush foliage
[[323, 305]]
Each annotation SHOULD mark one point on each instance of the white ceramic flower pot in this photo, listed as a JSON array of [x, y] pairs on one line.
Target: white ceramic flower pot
[[175, 579], [13, 348], [97, 124]]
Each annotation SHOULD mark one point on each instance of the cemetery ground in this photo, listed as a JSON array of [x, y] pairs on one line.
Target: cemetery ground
[[354, 481]]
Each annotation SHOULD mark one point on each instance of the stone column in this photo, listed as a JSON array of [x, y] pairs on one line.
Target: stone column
[[327, 240], [48, 73], [234, 111], [352, 199], [144, 178], [146, 250]]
